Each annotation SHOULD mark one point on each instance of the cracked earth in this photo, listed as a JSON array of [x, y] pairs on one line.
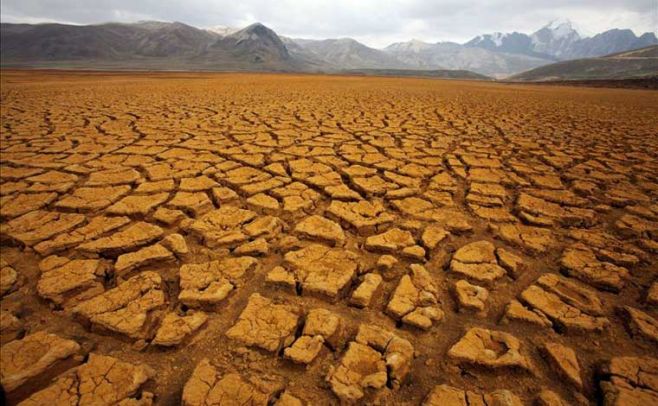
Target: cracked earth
[[239, 239]]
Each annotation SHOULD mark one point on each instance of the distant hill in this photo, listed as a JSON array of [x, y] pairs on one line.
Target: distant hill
[[437, 73], [450, 55], [346, 53], [53, 42], [635, 64]]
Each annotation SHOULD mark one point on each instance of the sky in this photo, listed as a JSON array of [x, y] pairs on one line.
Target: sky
[[376, 23]]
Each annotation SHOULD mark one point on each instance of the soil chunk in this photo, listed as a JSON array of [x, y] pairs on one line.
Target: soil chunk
[[489, 348], [135, 236], [564, 362], [320, 228], [207, 387], [210, 283], [375, 358], [322, 270], [102, 380], [175, 328], [630, 381], [415, 300], [127, 309], [265, 325], [32, 356]]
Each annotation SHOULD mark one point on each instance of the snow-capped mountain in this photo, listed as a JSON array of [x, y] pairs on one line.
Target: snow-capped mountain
[[497, 54], [560, 40], [409, 46], [255, 43], [515, 43], [555, 39], [551, 41], [494, 40], [222, 30]]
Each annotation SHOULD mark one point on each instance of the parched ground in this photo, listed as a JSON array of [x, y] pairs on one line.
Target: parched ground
[[214, 239]]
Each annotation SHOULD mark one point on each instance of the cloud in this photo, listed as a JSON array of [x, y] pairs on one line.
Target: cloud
[[374, 22]]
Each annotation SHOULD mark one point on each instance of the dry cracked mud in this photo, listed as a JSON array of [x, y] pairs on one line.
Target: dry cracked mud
[[207, 239]]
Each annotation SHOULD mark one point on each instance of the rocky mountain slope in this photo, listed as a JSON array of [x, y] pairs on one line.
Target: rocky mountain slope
[[641, 63], [43, 42], [149, 45]]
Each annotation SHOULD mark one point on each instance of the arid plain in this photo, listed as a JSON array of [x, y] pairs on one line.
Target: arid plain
[[245, 239]]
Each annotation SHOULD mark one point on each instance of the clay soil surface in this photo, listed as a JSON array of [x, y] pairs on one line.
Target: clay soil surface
[[207, 239]]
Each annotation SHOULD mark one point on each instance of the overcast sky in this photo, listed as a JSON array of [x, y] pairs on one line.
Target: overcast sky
[[374, 22]]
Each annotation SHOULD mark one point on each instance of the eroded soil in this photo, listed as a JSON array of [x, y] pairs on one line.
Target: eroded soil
[[213, 239]]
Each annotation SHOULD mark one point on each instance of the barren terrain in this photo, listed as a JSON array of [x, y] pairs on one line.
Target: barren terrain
[[212, 239]]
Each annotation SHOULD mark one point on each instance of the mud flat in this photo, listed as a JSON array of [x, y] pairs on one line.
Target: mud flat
[[184, 238]]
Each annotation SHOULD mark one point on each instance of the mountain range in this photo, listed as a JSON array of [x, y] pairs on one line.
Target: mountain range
[[560, 41], [165, 45]]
